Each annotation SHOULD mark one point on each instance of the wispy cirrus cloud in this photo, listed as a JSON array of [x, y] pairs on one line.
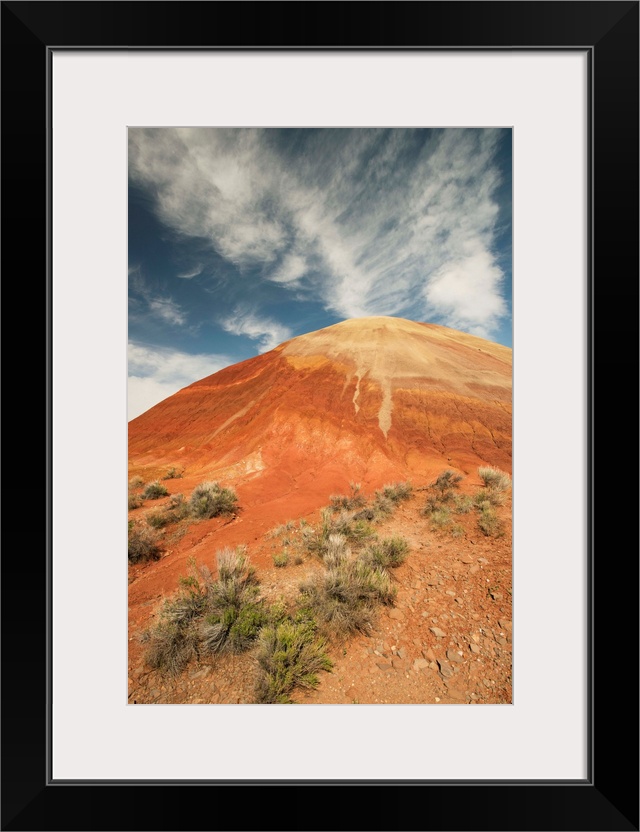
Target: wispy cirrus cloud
[[156, 373], [265, 331], [192, 272], [159, 306], [396, 222]]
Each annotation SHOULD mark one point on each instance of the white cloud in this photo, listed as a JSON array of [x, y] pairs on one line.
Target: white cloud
[[167, 310], [366, 221], [193, 272], [155, 373], [266, 332], [159, 306], [467, 293], [292, 268]]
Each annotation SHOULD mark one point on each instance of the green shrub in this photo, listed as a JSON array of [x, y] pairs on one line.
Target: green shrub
[[457, 530], [154, 491], [386, 554], [335, 551], [432, 505], [489, 522], [173, 474], [490, 496], [208, 616], [445, 484], [136, 482], [143, 544], [494, 479], [350, 501], [278, 531], [134, 501], [397, 492], [346, 524], [171, 647], [344, 598], [290, 654], [158, 519], [280, 559], [173, 512], [440, 518], [462, 504], [209, 499]]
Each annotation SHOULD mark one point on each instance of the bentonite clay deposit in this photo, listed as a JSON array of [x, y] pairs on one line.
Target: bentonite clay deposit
[[371, 401]]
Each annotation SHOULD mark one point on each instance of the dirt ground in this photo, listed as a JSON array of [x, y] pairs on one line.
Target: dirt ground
[[447, 639]]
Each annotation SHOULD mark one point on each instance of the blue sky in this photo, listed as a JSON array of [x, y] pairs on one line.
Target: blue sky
[[241, 239]]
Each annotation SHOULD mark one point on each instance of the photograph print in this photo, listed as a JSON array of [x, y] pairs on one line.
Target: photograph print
[[320, 416]]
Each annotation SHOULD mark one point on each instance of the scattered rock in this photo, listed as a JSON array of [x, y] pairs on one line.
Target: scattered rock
[[466, 558], [474, 648], [437, 632], [420, 664], [453, 656], [429, 655], [457, 694], [458, 600], [384, 666], [505, 624], [445, 670], [402, 653], [482, 560], [396, 614], [474, 569], [497, 596], [401, 664], [450, 592], [501, 640]]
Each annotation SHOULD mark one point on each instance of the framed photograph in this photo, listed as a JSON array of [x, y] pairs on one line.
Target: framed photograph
[[95, 93]]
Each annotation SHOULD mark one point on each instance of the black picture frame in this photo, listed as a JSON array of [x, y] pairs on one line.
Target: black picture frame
[[608, 798]]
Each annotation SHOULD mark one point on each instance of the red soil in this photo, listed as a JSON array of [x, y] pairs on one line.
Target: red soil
[[371, 400]]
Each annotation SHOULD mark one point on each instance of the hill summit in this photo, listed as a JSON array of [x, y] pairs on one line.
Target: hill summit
[[368, 399]]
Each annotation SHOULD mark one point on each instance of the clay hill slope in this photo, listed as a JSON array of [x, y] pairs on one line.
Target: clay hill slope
[[367, 400]]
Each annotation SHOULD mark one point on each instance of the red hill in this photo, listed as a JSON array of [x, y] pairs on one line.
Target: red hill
[[367, 400]]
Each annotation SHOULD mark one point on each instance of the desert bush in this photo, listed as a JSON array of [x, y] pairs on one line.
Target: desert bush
[[387, 553], [457, 530], [136, 482], [488, 521], [157, 519], [154, 491], [440, 518], [494, 479], [134, 501], [280, 559], [445, 484], [175, 510], [171, 647], [232, 629], [489, 495], [336, 550], [209, 499], [396, 492], [283, 528], [346, 524], [207, 615], [144, 544], [290, 654], [173, 473], [462, 504], [354, 500], [431, 505], [343, 600]]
